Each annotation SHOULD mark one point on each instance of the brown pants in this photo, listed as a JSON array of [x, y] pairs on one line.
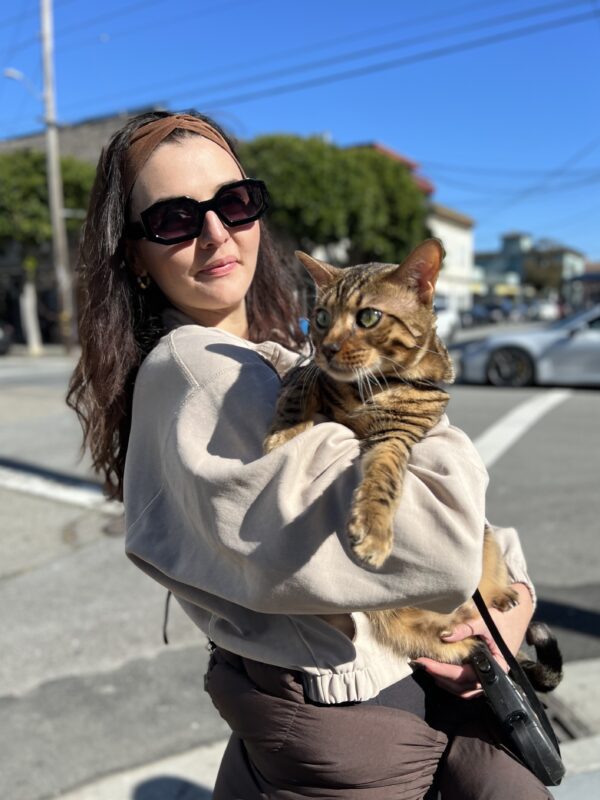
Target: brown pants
[[285, 747]]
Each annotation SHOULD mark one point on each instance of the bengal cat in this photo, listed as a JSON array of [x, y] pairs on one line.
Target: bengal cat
[[377, 368]]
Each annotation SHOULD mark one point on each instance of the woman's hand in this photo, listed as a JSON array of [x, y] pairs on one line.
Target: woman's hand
[[459, 679]]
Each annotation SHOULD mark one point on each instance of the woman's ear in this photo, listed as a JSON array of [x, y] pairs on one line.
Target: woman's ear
[[131, 259]]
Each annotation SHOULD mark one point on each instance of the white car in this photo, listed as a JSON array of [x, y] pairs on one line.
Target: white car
[[564, 352]]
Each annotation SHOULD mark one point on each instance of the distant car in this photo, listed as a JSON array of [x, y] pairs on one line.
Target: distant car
[[482, 314], [476, 315], [448, 320], [546, 310], [565, 352]]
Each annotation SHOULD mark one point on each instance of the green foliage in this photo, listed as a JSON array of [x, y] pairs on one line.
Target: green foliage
[[24, 213], [322, 193], [543, 272]]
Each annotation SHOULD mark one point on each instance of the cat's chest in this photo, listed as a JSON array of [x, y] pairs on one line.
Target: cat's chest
[[357, 408]]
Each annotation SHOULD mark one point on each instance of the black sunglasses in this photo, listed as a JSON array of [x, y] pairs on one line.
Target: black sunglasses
[[181, 218]]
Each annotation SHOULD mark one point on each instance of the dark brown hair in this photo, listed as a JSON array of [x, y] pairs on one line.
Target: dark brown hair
[[119, 324]]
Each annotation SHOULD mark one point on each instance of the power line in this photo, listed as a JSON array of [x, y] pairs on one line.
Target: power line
[[110, 36], [270, 57], [17, 17], [366, 52], [88, 23], [411, 22], [500, 171], [12, 48], [426, 55], [570, 184], [57, 4], [567, 222], [540, 186]]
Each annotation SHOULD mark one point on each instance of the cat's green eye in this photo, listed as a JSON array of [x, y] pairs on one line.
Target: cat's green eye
[[322, 318], [368, 317]]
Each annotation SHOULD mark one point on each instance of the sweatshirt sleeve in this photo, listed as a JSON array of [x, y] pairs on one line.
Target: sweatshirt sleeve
[[267, 532], [511, 549]]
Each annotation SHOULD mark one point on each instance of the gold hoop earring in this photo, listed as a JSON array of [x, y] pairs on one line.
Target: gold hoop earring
[[143, 281]]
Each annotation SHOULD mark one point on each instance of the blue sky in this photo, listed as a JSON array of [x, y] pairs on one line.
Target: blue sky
[[497, 100]]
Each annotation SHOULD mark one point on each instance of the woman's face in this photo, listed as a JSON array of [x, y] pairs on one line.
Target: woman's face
[[208, 277]]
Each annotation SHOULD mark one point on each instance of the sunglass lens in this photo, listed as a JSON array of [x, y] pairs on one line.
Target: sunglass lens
[[240, 203], [173, 219]]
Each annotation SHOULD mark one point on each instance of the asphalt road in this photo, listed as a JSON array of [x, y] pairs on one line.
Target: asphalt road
[[86, 685]]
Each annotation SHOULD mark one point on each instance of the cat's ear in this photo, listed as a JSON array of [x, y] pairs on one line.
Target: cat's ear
[[322, 273], [421, 268]]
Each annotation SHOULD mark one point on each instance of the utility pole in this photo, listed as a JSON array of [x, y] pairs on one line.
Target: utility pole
[[60, 251]]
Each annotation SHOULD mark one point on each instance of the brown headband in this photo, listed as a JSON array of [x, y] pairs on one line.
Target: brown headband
[[146, 139]]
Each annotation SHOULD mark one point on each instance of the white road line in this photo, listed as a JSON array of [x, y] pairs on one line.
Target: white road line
[[25, 371], [82, 496], [491, 445], [495, 441]]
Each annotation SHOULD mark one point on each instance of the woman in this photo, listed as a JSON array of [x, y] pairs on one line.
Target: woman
[[181, 295]]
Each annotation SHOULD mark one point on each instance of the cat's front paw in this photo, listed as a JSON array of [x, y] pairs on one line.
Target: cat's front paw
[[275, 440], [505, 600], [370, 536]]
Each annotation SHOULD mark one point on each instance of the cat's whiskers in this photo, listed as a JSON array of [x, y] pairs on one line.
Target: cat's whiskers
[[359, 384], [311, 373], [433, 352], [375, 407], [397, 369]]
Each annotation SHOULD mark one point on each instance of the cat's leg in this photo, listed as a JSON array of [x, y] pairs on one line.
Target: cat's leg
[[494, 585], [375, 500], [412, 632], [297, 405]]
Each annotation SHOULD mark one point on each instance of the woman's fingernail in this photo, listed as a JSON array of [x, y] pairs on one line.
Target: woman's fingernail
[[445, 634]]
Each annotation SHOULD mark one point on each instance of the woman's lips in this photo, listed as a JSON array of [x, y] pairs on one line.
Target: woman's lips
[[219, 268]]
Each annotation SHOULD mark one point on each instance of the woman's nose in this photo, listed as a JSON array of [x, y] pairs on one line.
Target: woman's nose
[[213, 232]]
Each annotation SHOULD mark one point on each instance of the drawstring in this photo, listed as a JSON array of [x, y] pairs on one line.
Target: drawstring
[[166, 619]]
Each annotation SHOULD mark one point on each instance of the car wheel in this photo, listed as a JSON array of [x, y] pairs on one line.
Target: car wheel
[[510, 366]]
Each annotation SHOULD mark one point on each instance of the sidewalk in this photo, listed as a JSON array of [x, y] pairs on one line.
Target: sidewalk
[[191, 775]]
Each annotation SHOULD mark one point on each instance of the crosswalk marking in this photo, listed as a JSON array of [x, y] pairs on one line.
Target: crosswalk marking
[[500, 437], [58, 491]]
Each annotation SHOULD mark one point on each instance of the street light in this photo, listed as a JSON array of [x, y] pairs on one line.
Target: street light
[[16, 75]]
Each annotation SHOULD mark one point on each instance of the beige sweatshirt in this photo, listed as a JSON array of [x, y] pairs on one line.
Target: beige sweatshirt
[[254, 546]]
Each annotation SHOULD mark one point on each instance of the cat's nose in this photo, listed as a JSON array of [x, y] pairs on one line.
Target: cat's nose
[[330, 350]]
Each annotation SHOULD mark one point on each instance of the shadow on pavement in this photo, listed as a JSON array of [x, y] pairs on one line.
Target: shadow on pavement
[[166, 788], [67, 479], [570, 617]]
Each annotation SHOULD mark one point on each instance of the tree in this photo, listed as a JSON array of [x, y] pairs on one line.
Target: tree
[[25, 216], [543, 271], [322, 193], [388, 210]]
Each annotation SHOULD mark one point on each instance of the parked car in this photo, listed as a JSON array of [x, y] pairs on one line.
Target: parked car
[[565, 352], [448, 319], [545, 310], [482, 314]]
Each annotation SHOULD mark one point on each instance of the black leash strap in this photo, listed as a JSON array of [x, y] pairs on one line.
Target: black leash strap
[[517, 671]]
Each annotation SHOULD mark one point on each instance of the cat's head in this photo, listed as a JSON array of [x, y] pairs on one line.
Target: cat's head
[[379, 318]]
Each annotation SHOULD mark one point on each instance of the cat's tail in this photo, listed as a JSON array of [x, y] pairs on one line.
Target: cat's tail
[[546, 673]]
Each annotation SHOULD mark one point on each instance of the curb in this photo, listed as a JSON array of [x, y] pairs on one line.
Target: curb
[[191, 776], [188, 776]]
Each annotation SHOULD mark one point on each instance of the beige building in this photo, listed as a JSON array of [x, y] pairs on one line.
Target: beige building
[[456, 232]]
